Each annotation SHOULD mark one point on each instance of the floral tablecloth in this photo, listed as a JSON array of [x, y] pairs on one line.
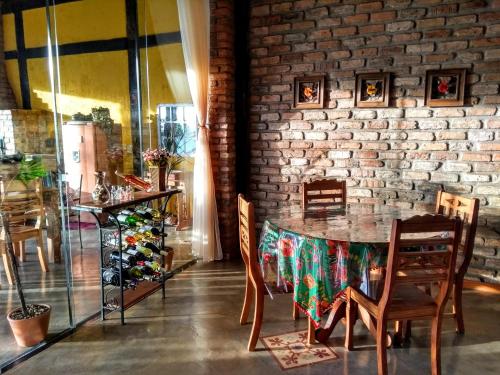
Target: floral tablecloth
[[317, 270]]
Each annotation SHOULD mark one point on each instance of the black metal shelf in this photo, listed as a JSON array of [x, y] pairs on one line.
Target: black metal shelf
[[111, 302]]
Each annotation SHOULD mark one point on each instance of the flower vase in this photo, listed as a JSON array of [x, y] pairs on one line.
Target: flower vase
[[158, 177]]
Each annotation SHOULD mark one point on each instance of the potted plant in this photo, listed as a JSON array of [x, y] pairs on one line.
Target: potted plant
[[29, 322]]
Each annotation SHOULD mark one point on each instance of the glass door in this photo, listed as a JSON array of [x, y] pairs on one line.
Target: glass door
[[33, 192]]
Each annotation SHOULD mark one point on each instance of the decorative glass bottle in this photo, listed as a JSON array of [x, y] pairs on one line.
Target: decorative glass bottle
[[101, 192]]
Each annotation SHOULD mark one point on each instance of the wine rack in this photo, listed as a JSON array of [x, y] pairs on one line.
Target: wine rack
[[111, 232]]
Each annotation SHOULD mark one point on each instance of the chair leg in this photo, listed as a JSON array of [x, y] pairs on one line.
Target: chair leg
[[436, 345], [457, 306], [398, 331], [80, 231], [408, 330], [257, 319], [311, 332], [351, 310], [247, 301], [42, 257], [382, 346], [22, 251], [296, 312]]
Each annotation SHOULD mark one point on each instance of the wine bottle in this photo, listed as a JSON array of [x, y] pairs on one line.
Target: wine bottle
[[156, 215], [127, 259], [135, 273], [153, 247], [155, 266], [138, 255], [127, 219], [149, 231], [135, 181], [111, 275], [144, 214], [130, 240], [144, 250]]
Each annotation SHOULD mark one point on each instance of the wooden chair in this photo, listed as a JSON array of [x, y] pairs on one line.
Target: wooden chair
[[254, 281], [466, 208], [400, 299], [23, 206], [323, 193]]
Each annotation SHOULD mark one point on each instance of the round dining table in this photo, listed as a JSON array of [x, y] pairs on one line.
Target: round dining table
[[318, 253]]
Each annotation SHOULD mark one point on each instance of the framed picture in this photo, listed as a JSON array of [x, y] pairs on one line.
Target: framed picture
[[309, 92], [445, 88], [372, 90]]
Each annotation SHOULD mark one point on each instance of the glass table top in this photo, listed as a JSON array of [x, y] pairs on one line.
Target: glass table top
[[351, 223]]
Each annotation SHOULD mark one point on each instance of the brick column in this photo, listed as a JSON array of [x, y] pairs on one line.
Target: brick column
[[221, 120]]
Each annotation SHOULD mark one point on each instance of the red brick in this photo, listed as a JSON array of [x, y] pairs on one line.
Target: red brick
[[383, 16], [430, 23], [345, 31], [356, 19], [369, 7], [371, 29]]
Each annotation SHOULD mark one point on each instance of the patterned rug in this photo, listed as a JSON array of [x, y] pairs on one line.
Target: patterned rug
[[291, 350]]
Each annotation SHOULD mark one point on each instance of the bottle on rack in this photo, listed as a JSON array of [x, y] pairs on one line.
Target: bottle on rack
[[153, 247], [141, 211], [156, 215], [127, 259], [130, 240], [149, 231], [126, 219], [111, 275], [138, 255], [135, 273], [148, 253]]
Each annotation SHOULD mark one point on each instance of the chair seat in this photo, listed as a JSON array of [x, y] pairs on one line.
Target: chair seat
[[22, 232], [410, 301], [407, 301]]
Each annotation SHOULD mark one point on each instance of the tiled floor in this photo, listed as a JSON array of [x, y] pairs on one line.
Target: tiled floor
[[51, 287], [196, 331]]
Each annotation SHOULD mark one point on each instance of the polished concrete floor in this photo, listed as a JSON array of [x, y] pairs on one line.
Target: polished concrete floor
[[51, 287], [196, 330]]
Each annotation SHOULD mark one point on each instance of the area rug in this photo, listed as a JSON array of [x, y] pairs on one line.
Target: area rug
[[291, 350]]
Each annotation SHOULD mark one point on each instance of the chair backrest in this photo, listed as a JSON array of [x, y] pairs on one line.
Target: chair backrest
[[467, 209], [22, 204], [323, 193], [423, 249], [247, 239]]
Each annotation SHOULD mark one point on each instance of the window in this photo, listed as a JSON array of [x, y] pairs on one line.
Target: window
[[177, 128]]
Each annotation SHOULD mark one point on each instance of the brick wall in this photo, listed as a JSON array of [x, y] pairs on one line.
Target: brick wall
[[398, 155], [7, 100], [221, 120], [27, 131]]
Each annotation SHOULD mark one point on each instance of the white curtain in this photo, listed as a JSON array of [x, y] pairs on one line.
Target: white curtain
[[194, 18]]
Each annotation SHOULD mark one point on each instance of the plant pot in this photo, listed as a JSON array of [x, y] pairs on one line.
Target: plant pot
[[158, 177], [29, 332]]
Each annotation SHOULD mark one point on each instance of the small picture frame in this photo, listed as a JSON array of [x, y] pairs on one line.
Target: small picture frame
[[309, 92], [445, 88], [372, 90]]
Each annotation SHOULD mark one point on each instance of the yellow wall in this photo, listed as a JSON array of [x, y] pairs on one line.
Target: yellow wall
[[100, 79], [9, 33]]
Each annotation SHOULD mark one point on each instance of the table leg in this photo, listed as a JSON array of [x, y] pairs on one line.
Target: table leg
[[336, 314]]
